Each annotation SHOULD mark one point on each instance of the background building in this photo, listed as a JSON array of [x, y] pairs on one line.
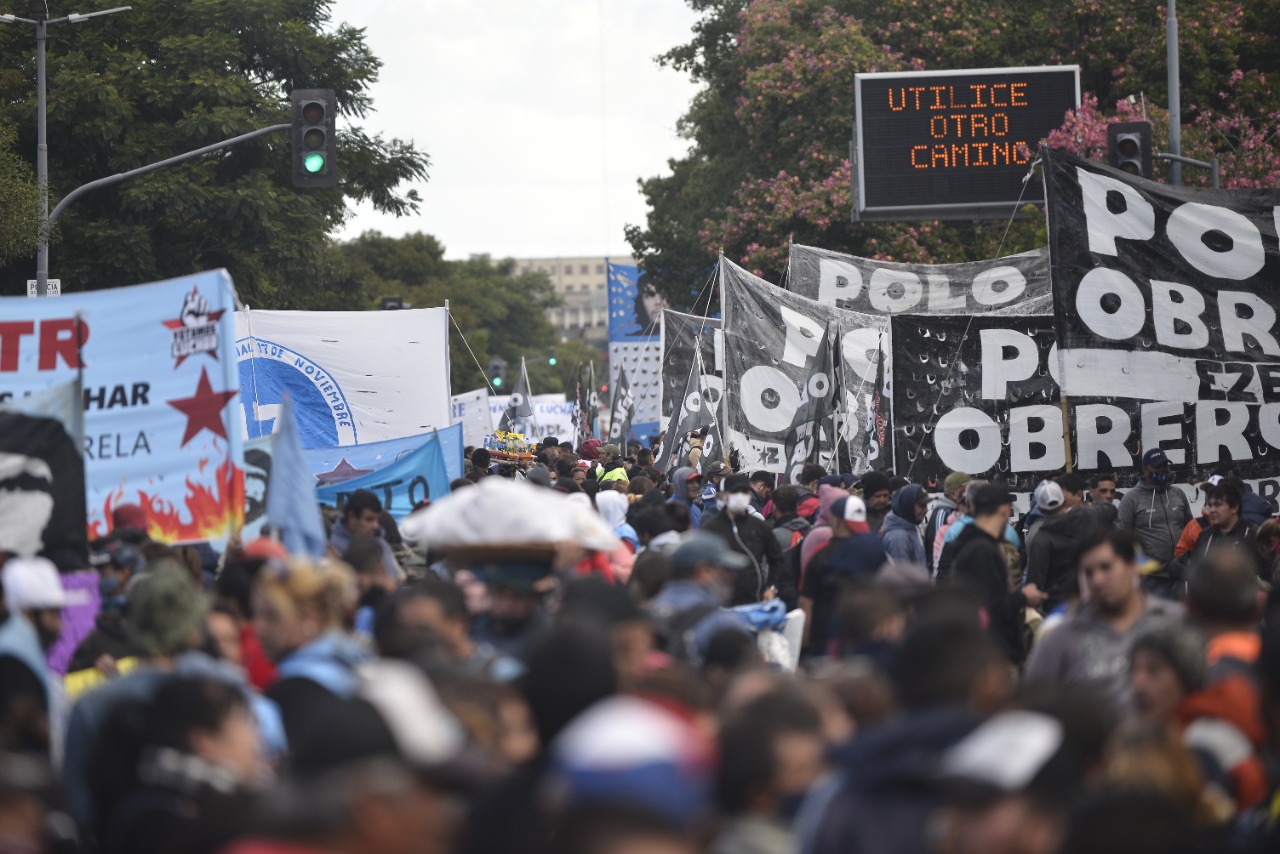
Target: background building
[[582, 285]]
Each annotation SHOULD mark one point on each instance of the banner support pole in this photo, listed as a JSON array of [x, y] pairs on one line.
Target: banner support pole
[[1066, 432]]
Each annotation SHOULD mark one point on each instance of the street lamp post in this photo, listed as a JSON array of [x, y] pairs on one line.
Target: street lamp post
[[39, 18]]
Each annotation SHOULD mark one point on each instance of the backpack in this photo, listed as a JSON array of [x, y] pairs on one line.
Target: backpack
[[673, 632]]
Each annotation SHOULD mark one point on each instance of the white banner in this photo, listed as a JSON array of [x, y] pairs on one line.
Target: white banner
[[354, 376], [471, 410], [552, 416]]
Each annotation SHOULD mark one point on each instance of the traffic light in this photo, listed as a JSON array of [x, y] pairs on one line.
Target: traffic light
[[315, 154], [497, 367], [604, 393], [551, 357], [1129, 147]]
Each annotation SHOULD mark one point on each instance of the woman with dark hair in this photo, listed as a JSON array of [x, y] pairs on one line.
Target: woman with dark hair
[[176, 774]]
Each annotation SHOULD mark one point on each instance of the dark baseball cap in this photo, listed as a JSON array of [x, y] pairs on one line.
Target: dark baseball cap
[[701, 547], [1155, 458]]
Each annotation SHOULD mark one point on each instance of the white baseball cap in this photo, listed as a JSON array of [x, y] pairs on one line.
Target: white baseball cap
[[32, 582], [851, 509], [1049, 496]]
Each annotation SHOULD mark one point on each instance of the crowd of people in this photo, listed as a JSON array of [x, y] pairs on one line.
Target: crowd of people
[[585, 654]]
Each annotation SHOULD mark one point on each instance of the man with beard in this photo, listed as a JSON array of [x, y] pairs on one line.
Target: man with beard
[[33, 599], [876, 494]]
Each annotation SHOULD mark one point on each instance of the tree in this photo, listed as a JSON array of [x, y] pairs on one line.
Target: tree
[[132, 89], [496, 311], [768, 161], [19, 197]]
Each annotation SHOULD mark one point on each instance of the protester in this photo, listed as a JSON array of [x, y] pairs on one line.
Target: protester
[[940, 513], [299, 611], [877, 495], [948, 675], [714, 475], [750, 535], [763, 486], [686, 490], [900, 531], [1228, 530], [1051, 556], [33, 598], [689, 610], [1092, 647], [362, 516], [789, 527], [771, 751], [1155, 511], [853, 552], [980, 567]]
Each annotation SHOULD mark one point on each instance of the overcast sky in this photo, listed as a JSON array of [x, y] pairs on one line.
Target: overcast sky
[[505, 98]]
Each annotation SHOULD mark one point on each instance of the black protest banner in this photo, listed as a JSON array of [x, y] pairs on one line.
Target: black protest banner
[[772, 337], [811, 438], [42, 481], [520, 404], [1167, 296], [980, 395], [1017, 284], [623, 411], [682, 335], [696, 414]]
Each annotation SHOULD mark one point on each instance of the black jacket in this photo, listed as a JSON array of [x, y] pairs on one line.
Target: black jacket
[[1051, 560], [1242, 538], [754, 538], [980, 566]]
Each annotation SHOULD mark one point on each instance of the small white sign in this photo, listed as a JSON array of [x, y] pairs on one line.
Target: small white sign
[[55, 287]]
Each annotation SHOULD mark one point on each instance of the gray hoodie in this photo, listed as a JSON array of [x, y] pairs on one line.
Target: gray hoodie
[[1156, 515]]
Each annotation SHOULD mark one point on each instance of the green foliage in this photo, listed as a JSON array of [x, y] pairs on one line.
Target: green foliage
[[19, 199], [134, 88], [500, 312], [769, 157]]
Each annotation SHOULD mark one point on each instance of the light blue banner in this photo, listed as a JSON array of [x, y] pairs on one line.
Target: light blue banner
[[401, 477], [160, 383]]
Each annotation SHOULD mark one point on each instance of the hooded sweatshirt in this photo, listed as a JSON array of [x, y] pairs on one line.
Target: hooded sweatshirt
[[1156, 515], [820, 535], [680, 495], [1051, 557], [899, 533]]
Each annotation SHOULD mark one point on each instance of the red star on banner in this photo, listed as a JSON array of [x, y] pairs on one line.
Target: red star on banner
[[203, 409]]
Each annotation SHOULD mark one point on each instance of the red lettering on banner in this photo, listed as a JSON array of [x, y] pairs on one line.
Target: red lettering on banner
[[58, 340], [10, 341]]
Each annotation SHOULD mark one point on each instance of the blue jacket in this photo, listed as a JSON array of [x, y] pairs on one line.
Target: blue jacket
[[888, 787], [678, 596], [901, 537], [680, 495]]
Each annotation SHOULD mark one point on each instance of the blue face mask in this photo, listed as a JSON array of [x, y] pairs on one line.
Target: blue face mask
[[1160, 477]]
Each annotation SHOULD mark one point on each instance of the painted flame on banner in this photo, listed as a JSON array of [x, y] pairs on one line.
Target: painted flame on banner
[[209, 511]]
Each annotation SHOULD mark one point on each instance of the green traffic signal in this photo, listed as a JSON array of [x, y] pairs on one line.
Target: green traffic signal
[[551, 361], [497, 382], [313, 162]]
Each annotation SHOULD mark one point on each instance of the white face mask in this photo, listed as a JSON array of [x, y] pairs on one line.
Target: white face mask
[[737, 503]]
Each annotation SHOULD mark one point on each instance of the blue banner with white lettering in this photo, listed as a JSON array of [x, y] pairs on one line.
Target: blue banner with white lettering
[[401, 478], [159, 384]]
